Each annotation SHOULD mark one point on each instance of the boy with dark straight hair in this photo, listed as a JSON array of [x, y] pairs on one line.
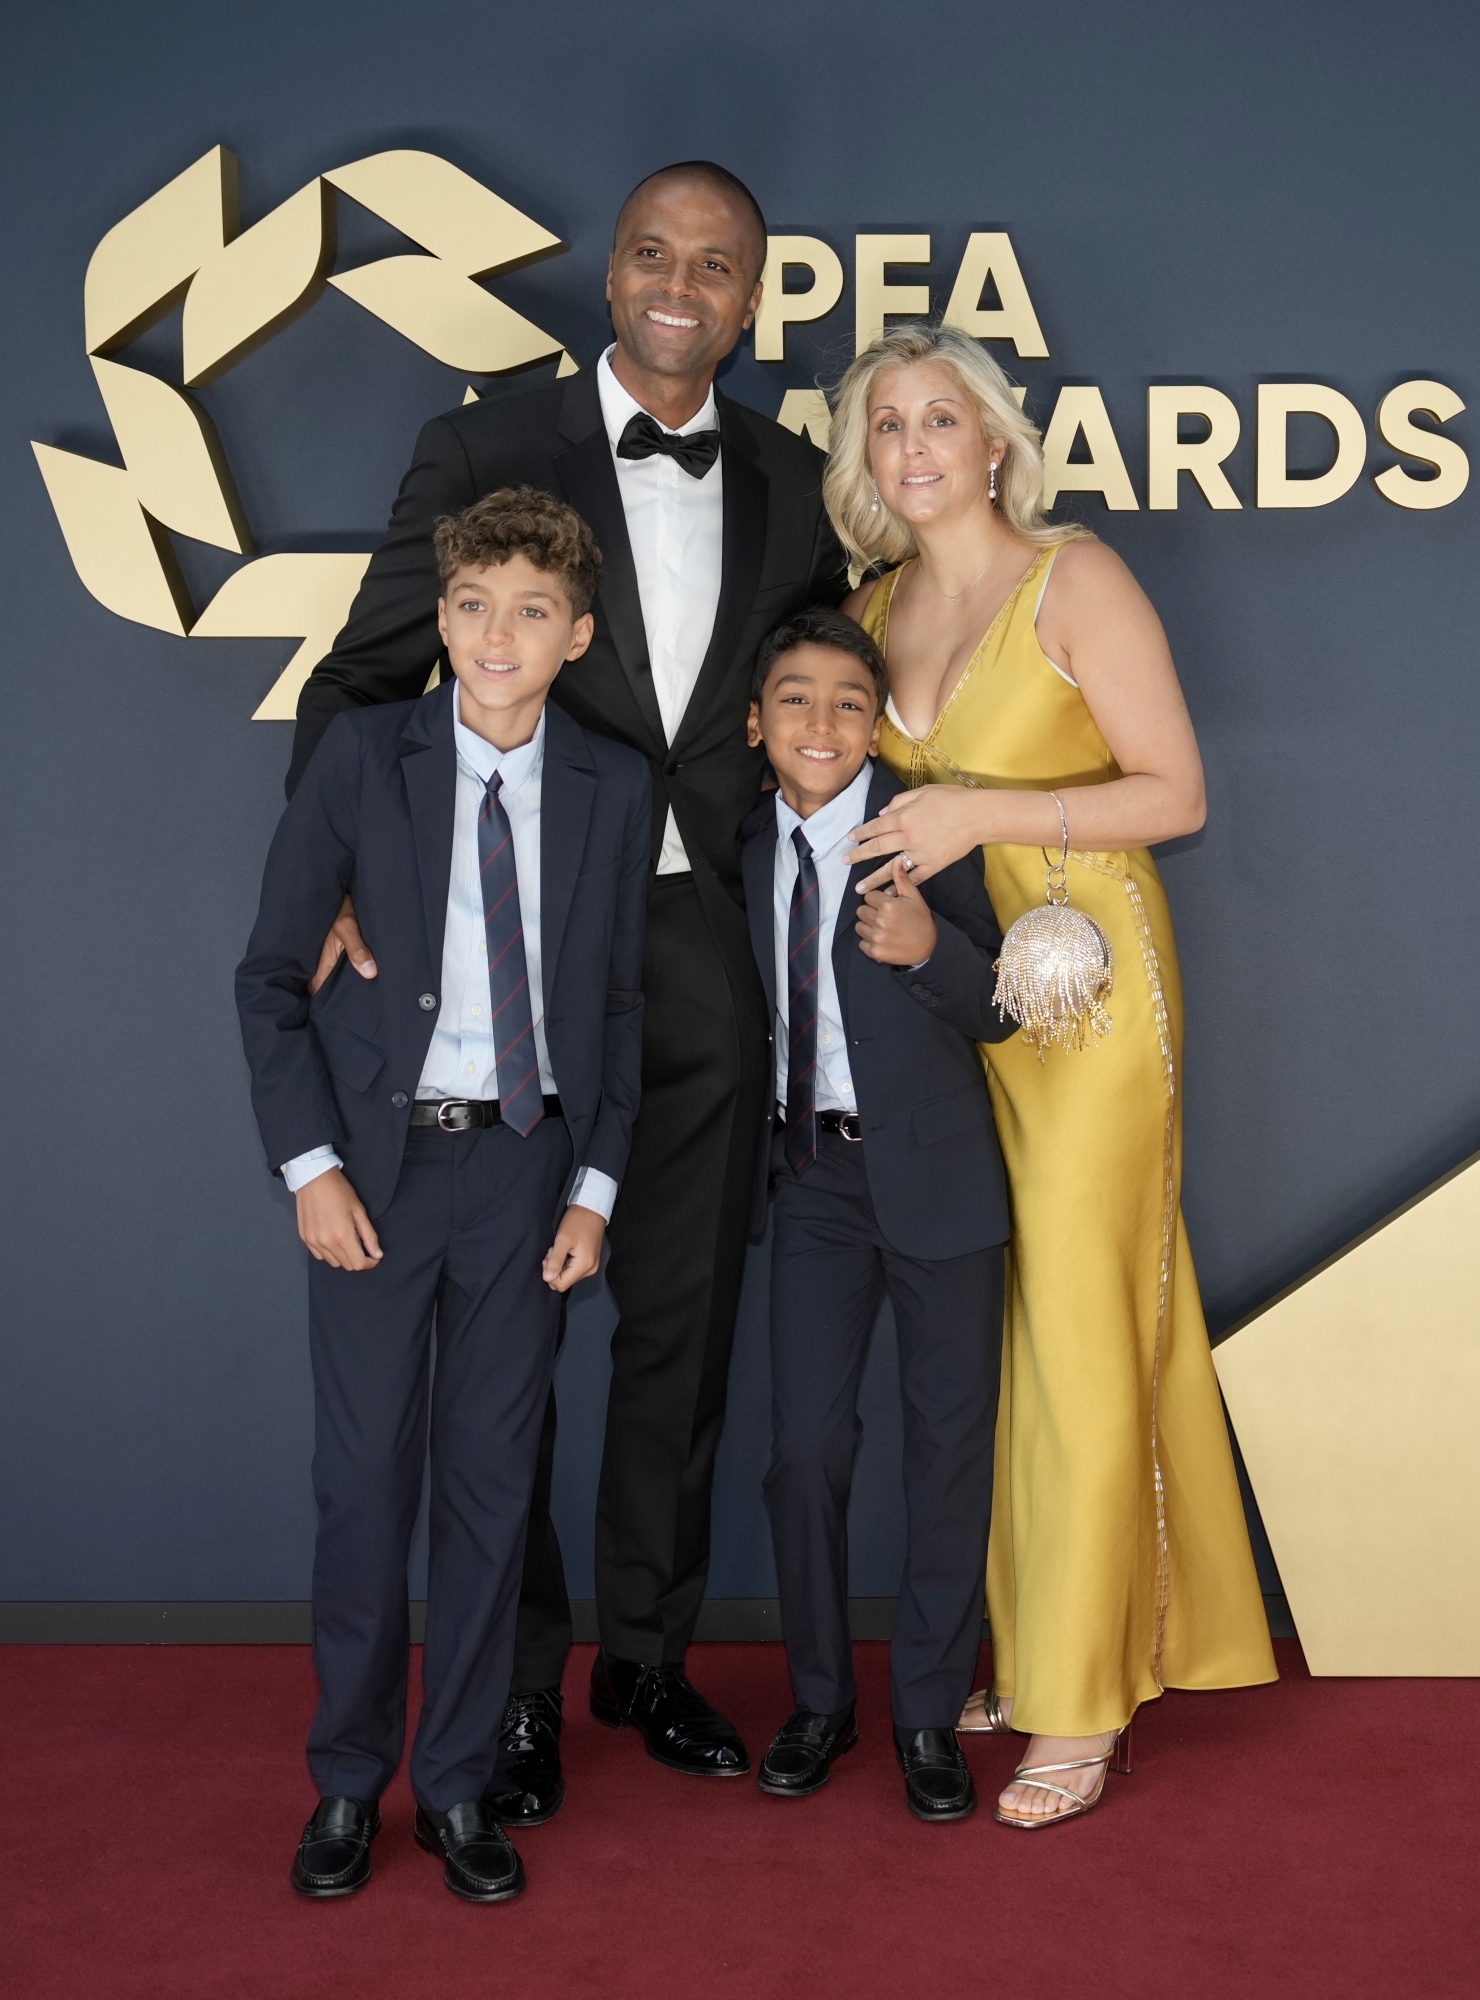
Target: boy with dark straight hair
[[884, 1176], [454, 1134]]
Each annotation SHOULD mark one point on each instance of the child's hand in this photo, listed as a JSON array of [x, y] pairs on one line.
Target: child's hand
[[333, 1223], [895, 924], [576, 1251]]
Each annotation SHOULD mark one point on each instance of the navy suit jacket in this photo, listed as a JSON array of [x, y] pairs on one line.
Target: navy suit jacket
[[929, 1146], [373, 817]]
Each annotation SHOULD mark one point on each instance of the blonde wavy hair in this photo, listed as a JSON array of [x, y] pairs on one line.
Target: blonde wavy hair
[[866, 527]]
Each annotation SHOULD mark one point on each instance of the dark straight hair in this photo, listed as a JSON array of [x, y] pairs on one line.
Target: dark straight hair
[[820, 627]]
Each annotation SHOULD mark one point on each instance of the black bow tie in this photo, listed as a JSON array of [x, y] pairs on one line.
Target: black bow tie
[[643, 435]]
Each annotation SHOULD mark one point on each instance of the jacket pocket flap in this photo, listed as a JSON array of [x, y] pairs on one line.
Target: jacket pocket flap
[[348, 1055], [946, 1117]]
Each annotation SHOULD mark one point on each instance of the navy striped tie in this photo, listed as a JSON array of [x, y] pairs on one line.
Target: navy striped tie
[[521, 1102], [801, 1011]]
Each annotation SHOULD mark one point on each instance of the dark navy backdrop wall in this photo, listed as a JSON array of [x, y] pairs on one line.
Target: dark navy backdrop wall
[[1204, 194]]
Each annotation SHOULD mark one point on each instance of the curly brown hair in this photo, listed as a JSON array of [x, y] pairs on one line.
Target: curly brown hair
[[522, 521]]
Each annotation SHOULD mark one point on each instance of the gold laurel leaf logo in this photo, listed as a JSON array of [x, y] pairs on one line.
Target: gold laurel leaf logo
[[184, 245]]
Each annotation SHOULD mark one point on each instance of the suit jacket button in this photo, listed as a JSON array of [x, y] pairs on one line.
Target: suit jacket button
[[400, 1099], [426, 1002]]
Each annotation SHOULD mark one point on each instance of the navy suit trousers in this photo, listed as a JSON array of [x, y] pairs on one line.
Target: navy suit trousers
[[464, 1238], [830, 1269]]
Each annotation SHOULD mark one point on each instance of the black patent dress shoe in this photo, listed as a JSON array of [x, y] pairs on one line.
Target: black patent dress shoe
[[937, 1784], [680, 1728], [481, 1864], [333, 1857], [528, 1785], [803, 1752]]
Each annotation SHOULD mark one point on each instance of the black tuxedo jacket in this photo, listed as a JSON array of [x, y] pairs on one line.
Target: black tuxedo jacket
[[929, 1144], [780, 554], [374, 816]]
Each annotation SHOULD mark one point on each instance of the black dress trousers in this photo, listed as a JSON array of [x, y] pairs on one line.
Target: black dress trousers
[[464, 1239], [678, 1253], [830, 1269]]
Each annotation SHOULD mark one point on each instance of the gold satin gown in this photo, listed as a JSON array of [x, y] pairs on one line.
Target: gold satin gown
[[1119, 1561]]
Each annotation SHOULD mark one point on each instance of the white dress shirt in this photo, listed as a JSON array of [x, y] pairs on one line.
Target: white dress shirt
[[462, 1060], [826, 832], [675, 524]]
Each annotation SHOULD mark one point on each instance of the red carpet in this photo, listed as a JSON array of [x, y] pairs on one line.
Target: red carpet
[[1308, 1840]]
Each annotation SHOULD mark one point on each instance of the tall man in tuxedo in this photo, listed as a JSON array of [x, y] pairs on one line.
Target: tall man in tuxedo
[[712, 529]]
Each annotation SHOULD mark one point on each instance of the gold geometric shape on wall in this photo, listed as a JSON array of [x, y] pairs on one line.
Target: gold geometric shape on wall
[[138, 271], [174, 457], [122, 558], [440, 310], [470, 231], [446, 211], [1356, 1400], [252, 287], [238, 290], [294, 596]]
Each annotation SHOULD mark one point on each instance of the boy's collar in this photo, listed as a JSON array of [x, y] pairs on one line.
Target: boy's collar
[[829, 823], [485, 758]]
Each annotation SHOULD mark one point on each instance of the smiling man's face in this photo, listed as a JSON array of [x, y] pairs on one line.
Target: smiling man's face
[[818, 717], [684, 280]]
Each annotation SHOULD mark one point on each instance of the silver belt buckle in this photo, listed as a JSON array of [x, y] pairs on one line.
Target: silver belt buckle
[[461, 1119], [855, 1137]]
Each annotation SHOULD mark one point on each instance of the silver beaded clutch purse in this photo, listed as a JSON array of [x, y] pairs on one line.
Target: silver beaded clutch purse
[[1056, 968]]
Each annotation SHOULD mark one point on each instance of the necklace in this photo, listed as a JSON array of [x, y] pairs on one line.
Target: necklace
[[965, 586]]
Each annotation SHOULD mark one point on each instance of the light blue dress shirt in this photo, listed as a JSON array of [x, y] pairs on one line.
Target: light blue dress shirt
[[462, 1060], [826, 833]]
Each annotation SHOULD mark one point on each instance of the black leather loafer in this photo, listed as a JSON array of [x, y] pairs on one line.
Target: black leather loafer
[[937, 1784], [481, 1864], [803, 1752], [528, 1785], [680, 1728], [333, 1857]]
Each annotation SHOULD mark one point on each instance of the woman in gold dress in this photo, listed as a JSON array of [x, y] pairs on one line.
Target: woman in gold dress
[[1029, 672]]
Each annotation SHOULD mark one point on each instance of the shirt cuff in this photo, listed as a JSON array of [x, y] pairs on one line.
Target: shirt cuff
[[308, 1166], [595, 1190]]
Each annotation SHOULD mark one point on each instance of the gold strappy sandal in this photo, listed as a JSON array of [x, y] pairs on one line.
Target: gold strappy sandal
[[1116, 1758], [993, 1719]]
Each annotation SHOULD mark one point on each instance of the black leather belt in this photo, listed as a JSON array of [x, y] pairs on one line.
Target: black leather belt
[[468, 1114], [847, 1124]]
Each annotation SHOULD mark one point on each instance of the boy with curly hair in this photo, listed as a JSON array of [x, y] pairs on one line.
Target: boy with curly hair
[[454, 1133]]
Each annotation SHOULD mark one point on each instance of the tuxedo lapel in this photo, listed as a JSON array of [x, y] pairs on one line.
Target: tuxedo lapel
[[883, 786], [758, 867], [747, 499], [429, 772], [567, 790], [588, 481]]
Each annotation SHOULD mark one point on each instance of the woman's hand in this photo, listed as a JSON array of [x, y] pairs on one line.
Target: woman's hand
[[933, 826]]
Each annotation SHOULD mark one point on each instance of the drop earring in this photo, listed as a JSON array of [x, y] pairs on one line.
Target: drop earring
[[875, 508], [992, 489]]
